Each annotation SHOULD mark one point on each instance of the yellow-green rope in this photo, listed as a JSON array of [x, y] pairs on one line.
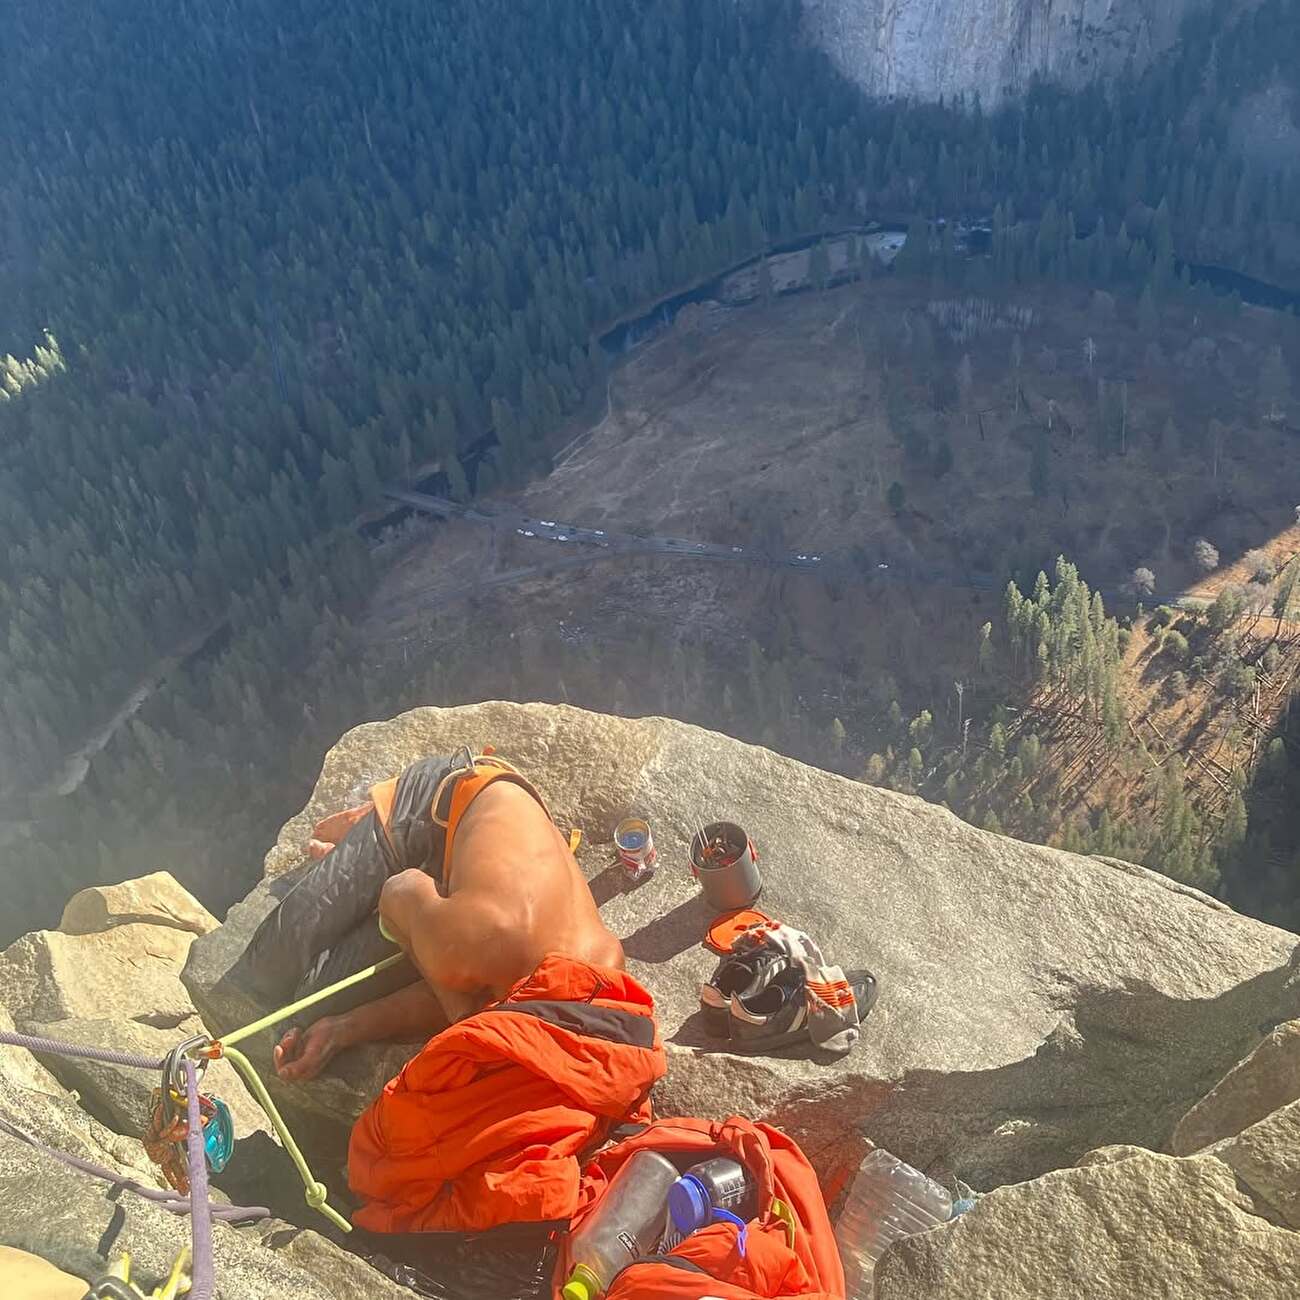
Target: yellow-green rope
[[315, 1192], [274, 1017]]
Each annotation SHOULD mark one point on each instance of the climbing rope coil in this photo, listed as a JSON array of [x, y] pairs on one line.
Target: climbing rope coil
[[190, 1133]]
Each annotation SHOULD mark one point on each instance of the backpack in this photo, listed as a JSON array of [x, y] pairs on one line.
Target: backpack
[[790, 1246]]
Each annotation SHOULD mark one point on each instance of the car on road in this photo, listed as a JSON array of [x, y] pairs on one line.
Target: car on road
[[882, 565], [737, 550], [699, 546], [600, 532], [528, 532], [521, 532], [547, 523], [561, 537]]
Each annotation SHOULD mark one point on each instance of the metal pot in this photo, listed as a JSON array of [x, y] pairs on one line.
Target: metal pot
[[725, 862]]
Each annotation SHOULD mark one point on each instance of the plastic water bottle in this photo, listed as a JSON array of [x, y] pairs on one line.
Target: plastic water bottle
[[626, 1224], [888, 1201]]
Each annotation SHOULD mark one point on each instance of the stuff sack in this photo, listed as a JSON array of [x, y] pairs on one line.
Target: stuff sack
[[790, 1248]]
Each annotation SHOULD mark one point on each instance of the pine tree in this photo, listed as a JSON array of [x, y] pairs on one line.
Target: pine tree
[[837, 737], [819, 266], [1274, 385], [458, 484]]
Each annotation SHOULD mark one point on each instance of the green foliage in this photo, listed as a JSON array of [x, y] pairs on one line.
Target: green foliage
[[330, 268], [292, 252], [1238, 679], [1225, 610], [1288, 585]]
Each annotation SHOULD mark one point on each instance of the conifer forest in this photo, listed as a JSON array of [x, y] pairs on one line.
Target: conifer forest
[[258, 262]]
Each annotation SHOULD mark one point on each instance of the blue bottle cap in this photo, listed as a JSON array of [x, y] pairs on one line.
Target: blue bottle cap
[[688, 1204]]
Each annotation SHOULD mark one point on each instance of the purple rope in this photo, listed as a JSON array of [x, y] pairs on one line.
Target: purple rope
[[56, 1047], [200, 1208], [201, 1271], [169, 1200]]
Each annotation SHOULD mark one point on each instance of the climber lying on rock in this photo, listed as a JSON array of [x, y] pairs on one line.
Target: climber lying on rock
[[539, 1043], [471, 878]]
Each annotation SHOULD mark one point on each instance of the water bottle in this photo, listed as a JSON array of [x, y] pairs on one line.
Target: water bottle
[[717, 1184], [887, 1201], [715, 1189], [626, 1224]]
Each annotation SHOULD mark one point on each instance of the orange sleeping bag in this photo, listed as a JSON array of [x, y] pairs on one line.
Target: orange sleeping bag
[[489, 1123]]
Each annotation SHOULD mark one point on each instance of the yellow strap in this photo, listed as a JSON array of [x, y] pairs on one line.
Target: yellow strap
[[178, 1280], [274, 1017], [315, 1192], [782, 1212], [575, 838]]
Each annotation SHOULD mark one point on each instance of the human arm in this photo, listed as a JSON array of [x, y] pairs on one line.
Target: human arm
[[443, 936], [409, 1014]]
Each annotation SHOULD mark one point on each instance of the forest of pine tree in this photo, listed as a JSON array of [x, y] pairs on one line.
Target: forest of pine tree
[[1058, 648], [257, 262]]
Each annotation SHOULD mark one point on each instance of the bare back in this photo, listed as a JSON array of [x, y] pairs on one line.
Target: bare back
[[515, 894]]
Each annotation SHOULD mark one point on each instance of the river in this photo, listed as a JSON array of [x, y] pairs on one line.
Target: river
[[734, 287], [973, 236]]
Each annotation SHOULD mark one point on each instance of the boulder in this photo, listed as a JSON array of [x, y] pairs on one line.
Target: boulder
[[33, 1278], [1266, 1157], [129, 971], [1034, 1004], [82, 1225], [156, 899], [117, 989], [121, 1095], [1110, 1155], [38, 1106], [1147, 1225], [1266, 1080]]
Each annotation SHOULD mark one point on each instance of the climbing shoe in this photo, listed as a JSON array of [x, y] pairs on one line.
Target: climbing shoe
[[758, 999], [773, 1015], [743, 974]]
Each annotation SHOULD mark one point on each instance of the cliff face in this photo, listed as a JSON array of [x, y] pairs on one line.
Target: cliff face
[[1113, 1060], [926, 48], [1034, 1004]]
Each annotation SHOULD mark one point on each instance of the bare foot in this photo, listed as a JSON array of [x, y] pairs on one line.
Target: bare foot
[[303, 1053]]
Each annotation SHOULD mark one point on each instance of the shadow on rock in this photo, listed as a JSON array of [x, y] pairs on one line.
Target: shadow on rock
[[671, 934]]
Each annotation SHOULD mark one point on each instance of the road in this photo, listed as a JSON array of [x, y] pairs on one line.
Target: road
[[558, 533]]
